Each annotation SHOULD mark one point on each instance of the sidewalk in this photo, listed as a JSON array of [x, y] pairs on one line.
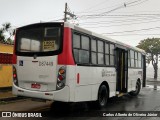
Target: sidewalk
[[6, 95], [152, 81]]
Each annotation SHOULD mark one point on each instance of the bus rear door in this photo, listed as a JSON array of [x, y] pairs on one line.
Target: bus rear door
[[122, 70]]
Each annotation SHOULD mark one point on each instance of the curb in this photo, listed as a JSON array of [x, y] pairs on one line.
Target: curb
[[153, 81], [14, 98]]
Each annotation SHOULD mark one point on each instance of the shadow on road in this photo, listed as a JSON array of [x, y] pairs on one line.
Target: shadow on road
[[86, 109]]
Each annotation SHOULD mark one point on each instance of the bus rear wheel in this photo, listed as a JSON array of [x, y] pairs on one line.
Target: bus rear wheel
[[136, 92], [102, 97]]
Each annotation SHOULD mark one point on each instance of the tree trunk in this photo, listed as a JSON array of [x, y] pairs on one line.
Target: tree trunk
[[155, 66], [155, 71]]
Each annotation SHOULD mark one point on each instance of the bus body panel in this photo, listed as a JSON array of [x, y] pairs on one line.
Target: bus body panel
[[70, 80], [59, 95], [133, 76], [90, 79], [41, 71]]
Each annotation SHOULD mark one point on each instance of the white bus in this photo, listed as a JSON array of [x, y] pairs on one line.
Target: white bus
[[63, 62]]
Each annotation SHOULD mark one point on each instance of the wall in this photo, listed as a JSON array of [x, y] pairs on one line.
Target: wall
[[6, 69]]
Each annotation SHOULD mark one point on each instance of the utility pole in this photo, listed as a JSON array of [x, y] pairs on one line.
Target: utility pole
[[65, 13]]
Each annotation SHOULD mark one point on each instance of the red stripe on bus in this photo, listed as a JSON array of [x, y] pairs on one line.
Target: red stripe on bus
[[66, 57], [78, 77], [14, 57]]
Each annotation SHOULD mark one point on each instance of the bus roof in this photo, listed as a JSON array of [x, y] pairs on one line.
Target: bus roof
[[66, 24]]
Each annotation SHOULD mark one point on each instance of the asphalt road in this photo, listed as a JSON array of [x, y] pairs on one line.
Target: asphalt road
[[147, 100]]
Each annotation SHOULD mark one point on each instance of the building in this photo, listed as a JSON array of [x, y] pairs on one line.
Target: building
[[6, 52]]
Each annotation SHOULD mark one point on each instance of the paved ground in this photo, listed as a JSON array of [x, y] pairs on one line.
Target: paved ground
[[6, 94], [25, 105], [147, 100]]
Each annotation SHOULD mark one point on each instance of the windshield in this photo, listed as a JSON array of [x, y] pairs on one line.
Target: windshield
[[38, 39]]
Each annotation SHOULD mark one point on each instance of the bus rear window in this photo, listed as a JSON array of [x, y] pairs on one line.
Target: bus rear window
[[38, 39]]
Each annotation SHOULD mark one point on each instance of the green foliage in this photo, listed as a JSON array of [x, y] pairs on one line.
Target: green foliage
[[152, 48], [150, 45], [6, 29], [6, 26], [1, 35]]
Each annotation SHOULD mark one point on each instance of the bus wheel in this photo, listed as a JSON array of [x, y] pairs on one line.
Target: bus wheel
[[136, 92], [102, 97]]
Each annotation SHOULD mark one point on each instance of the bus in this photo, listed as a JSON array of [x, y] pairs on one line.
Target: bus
[[63, 62]]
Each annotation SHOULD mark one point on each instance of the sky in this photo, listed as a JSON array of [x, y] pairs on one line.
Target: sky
[[128, 21]]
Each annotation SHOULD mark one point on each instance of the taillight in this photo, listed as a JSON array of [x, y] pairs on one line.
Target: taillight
[[61, 78], [15, 80]]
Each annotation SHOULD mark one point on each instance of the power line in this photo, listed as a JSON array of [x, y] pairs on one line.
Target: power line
[[93, 6], [118, 15], [101, 14], [138, 16], [138, 3], [132, 30], [134, 34], [95, 26], [124, 20], [119, 7], [145, 18]]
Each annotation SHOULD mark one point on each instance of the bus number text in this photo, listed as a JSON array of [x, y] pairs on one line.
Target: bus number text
[[45, 63]]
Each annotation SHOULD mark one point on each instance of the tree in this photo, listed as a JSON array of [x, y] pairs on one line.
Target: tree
[[6, 29], [1, 35], [6, 26], [152, 48]]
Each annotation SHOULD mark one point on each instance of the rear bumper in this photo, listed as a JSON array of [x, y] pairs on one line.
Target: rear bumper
[[59, 95]]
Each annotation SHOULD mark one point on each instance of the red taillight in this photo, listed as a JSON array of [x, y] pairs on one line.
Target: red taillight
[[60, 77], [61, 71], [15, 79], [14, 75]]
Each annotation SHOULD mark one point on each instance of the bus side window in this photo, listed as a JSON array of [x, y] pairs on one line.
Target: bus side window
[[83, 56], [136, 59], [76, 55], [84, 52], [100, 52], [129, 60], [81, 48], [111, 54], [132, 58], [106, 53], [139, 60], [93, 52], [76, 41], [76, 47]]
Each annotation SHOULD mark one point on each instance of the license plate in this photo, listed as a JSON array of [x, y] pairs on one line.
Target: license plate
[[37, 86]]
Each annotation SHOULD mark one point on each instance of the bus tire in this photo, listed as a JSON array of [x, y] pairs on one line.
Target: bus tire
[[136, 92], [102, 97]]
